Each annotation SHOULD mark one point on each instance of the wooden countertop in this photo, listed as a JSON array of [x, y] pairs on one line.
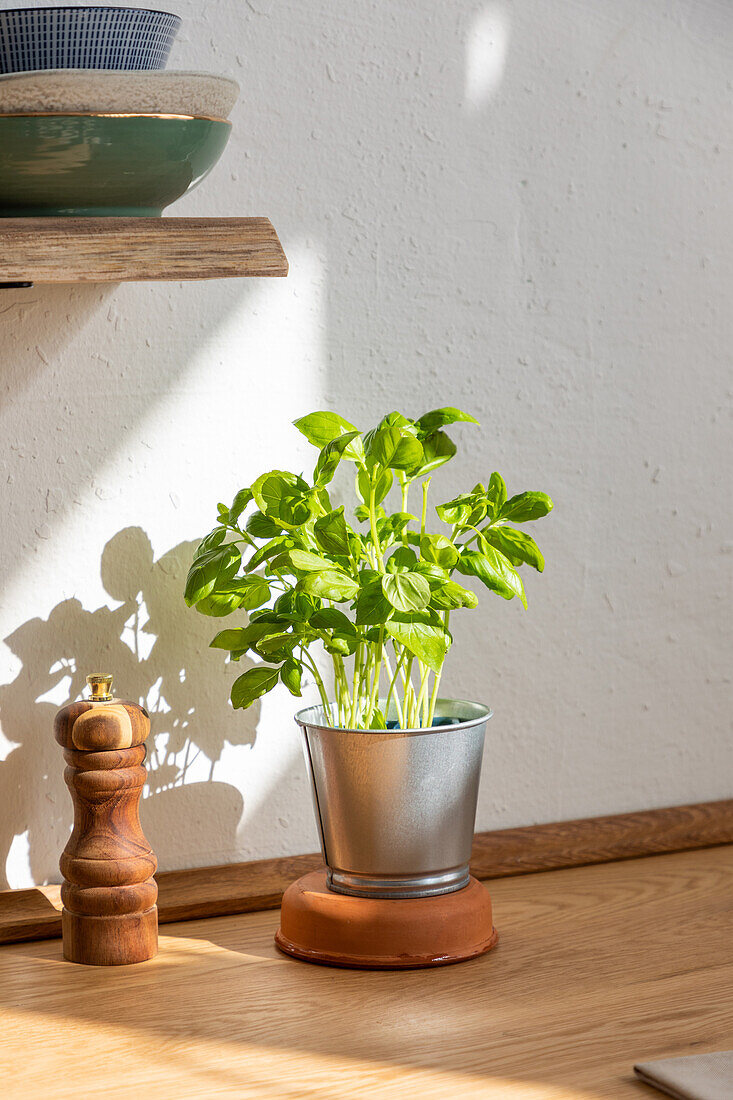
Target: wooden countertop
[[597, 967]]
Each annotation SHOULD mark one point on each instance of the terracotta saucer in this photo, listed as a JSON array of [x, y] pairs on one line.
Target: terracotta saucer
[[320, 926]]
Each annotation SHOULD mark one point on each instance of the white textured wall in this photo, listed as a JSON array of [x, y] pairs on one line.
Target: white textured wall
[[520, 208]]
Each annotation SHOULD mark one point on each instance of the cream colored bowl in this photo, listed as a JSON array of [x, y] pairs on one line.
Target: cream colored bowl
[[104, 91]]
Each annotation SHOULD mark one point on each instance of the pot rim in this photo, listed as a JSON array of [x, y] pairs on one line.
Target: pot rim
[[442, 709]]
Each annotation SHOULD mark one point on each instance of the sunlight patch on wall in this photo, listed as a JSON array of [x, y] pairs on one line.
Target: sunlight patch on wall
[[486, 53], [104, 591], [139, 640], [18, 863], [59, 693]]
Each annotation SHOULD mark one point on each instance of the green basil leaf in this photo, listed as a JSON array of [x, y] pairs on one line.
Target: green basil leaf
[[406, 591], [306, 562], [253, 590], [372, 607], [378, 721], [362, 513], [435, 575], [262, 527], [247, 592], [409, 454], [392, 447], [241, 500], [330, 584], [438, 448], [356, 545], [230, 639], [210, 569], [296, 606], [341, 644], [403, 560], [453, 511], [398, 420], [241, 638], [290, 674], [493, 569], [439, 550], [452, 595], [390, 528], [526, 506], [438, 418], [517, 546], [467, 508], [270, 550], [331, 532], [496, 494], [281, 565], [330, 618], [252, 684], [277, 647], [329, 458], [382, 487], [284, 497], [212, 540], [425, 639], [320, 496], [218, 604], [319, 428]]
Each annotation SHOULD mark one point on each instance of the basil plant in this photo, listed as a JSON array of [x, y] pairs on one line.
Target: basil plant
[[376, 591]]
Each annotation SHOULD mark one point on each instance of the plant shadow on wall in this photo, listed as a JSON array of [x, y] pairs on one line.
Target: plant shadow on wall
[[155, 648]]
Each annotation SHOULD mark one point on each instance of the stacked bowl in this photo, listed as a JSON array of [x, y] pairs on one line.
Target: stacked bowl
[[90, 121]]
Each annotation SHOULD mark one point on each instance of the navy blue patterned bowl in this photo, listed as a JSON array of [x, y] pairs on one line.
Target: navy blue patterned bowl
[[85, 38]]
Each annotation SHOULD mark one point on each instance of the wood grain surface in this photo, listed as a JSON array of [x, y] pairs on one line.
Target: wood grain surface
[[248, 887], [103, 250], [596, 968], [109, 917]]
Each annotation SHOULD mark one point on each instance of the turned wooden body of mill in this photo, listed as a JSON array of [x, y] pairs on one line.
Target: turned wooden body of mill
[[109, 913]]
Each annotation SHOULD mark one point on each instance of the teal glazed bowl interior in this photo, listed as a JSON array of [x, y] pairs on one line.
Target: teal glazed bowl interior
[[96, 165]]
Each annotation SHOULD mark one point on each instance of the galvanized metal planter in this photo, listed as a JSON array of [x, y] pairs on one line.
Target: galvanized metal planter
[[396, 808]]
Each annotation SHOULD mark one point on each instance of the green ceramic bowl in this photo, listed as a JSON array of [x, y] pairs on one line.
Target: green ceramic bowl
[[97, 164]]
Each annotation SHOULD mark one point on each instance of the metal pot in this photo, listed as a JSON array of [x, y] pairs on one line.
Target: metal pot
[[396, 808]]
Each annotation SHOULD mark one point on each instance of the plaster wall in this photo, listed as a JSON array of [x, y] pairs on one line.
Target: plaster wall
[[519, 208]]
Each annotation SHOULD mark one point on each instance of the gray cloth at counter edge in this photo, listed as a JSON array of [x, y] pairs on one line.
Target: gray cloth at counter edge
[[694, 1077]]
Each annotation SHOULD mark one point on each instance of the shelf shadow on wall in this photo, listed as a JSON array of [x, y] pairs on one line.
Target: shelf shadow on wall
[[158, 651]]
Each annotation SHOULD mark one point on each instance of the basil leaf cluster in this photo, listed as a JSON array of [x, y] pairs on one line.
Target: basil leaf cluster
[[375, 591]]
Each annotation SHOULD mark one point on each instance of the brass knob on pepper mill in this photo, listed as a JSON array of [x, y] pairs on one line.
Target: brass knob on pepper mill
[[109, 914], [101, 688]]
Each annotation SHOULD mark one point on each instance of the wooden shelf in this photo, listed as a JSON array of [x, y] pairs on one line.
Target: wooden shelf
[[114, 250]]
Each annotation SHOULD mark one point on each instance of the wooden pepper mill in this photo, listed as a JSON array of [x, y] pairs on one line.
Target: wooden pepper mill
[[109, 913]]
